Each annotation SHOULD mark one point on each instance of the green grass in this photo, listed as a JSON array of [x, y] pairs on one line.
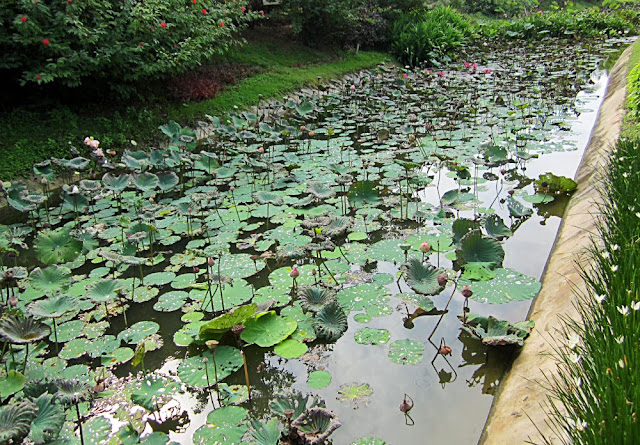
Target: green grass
[[36, 131], [631, 127]]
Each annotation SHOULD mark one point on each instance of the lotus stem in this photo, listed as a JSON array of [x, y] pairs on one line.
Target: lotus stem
[[26, 355], [206, 372], [55, 333], [246, 373], [79, 423]]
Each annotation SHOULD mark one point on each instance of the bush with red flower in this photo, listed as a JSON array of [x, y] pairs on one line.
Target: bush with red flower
[[118, 42]]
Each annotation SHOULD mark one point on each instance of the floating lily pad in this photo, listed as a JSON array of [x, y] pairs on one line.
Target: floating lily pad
[[319, 379], [369, 440], [192, 370], [508, 285], [406, 352], [137, 332], [11, 383], [423, 279], [362, 296], [290, 349], [159, 278], [355, 393], [371, 336], [494, 332]]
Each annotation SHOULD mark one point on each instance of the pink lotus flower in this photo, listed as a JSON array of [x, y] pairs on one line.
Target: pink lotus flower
[[441, 73], [442, 279], [474, 66], [467, 64], [352, 87], [23, 18], [46, 42], [98, 152], [405, 75], [425, 247], [260, 149], [466, 292], [295, 273], [487, 71]]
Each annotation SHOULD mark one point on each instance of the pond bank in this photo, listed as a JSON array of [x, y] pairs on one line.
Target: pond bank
[[517, 414]]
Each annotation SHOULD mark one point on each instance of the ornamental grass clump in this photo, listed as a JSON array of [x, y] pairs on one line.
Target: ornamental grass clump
[[598, 382]]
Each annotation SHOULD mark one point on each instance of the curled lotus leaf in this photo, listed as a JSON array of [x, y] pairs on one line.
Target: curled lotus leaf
[[476, 248], [15, 420], [331, 322], [225, 322], [73, 391], [47, 424], [53, 307], [320, 190], [422, 278], [315, 425], [145, 181], [495, 227], [494, 332], [167, 180], [268, 329], [116, 183], [104, 290], [314, 298], [264, 197], [22, 330], [50, 279]]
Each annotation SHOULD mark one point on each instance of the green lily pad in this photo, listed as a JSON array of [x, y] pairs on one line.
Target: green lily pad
[[56, 246], [362, 296], [11, 383], [406, 352], [476, 248], [478, 271], [494, 332], [363, 193], [50, 279], [371, 336], [268, 330], [538, 198], [369, 440], [117, 357], [495, 227], [423, 279], [290, 349], [193, 370], [159, 278], [239, 265], [137, 332], [153, 391], [355, 393], [226, 321], [171, 301], [508, 285], [319, 379]]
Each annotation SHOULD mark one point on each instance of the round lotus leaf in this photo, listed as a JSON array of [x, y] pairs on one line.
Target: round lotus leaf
[[103, 345], [227, 416], [68, 331], [362, 296], [137, 332], [383, 278], [192, 316], [183, 281], [80, 372], [56, 246], [75, 348], [362, 318], [238, 265], [438, 242], [280, 277], [379, 310], [171, 301], [538, 198], [279, 296], [159, 278], [97, 430], [476, 248], [371, 336], [389, 250], [95, 330], [50, 279], [290, 349], [187, 259], [53, 366], [508, 285], [478, 271], [406, 352], [182, 339], [142, 294], [319, 379], [11, 383], [120, 355], [268, 329], [193, 370], [305, 332], [357, 236], [234, 294]]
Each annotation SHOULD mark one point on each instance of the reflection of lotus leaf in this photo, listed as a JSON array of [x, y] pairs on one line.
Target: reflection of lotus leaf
[[406, 352], [516, 209], [508, 285], [371, 336], [423, 278], [354, 393], [268, 330], [369, 440], [476, 248], [192, 370]]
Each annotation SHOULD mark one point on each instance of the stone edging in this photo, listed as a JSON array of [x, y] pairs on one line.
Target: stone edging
[[518, 412]]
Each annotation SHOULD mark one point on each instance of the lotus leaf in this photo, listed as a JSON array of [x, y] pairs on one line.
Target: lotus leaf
[[290, 349], [50, 279], [369, 440], [371, 336], [476, 248], [331, 322], [68, 331], [423, 278], [97, 430], [495, 227], [494, 332], [49, 420], [192, 370], [362, 296], [508, 285], [363, 193], [265, 433], [104, 290], [406, 352], [226, 321], [53, 307], [550, 183], [479, 271], [56, 246], [22, 330], [167, 180], [154, 392], [11, 383], [319, 379], [315, 425], [117, 357], [15, 420], [116, 183], [263, 197], [268, 329], [320, 190], [388, 250], [139, 331], [314, 298], [239, 265], [462, 227], [171, 301], [516, 209]]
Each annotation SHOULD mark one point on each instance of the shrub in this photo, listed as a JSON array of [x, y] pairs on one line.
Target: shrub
[[633, 86], [428, 36], [508, 8], [68, 42]]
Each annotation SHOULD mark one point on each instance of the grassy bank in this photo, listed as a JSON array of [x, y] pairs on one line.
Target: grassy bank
[[35, 131], [598, 383]]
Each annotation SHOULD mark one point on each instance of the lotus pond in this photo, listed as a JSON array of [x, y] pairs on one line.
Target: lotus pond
[[351, 264]]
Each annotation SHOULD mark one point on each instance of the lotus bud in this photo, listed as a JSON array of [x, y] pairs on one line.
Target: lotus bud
[[442, 279], [205, 360], [43, 180], [254, 258], [425, 247], [405, 246], [314, 272], [13, 302], [189, 209], [302, 128], [211, 344], [232, 188], [238, 329], [503, 171], [288, 413], [466, 292], [312, 133], [260, 149], [196, 270], [511, 192], [211, 261], [295, 273], [74, 190], [352, 87]]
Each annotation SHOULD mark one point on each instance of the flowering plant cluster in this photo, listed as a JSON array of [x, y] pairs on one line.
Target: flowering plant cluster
[[71, 41]]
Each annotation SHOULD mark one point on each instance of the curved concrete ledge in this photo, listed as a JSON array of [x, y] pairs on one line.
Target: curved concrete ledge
[[518, 413]]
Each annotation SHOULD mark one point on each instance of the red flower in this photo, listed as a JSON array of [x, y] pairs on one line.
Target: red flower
[[487, 71], [222, 24], [45, 42], [261, 12], [23, 18], [193, 1], [38, 77], [243, 9], [163, 25], [141, 43], [175, 45], [204, 11]]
